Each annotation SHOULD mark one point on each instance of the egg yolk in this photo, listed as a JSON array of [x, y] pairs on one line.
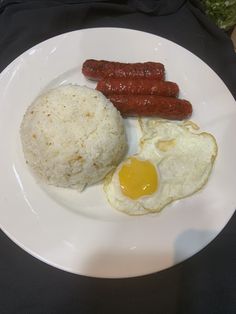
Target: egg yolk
[[138, 178]]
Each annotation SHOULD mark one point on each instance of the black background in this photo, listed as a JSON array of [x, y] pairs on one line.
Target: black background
[[205, 283]]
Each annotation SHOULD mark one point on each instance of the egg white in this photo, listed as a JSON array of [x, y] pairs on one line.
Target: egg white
[[183, 157]]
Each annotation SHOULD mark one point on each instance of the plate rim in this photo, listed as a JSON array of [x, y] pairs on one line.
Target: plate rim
[[12, 64]]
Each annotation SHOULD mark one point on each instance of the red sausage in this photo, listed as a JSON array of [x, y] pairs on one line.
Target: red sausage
[[124, 86], [150, 105], [98, 69]]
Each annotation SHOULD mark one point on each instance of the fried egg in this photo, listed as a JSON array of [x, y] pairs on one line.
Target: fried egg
[[174, 161]]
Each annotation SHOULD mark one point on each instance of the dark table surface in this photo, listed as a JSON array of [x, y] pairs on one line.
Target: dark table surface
[[205, 283]]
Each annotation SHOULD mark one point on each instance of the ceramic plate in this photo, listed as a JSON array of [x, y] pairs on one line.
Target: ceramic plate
[[82, 233]]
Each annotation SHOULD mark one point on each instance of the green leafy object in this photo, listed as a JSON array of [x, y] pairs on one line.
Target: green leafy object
[[222, 12]]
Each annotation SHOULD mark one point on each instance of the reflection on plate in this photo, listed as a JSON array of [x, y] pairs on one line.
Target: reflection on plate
[[81, 233]]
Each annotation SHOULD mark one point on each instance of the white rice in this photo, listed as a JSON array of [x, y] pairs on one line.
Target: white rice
[[72, 136]]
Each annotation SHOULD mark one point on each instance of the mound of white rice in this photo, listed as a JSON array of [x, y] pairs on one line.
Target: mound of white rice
[[72, 136]]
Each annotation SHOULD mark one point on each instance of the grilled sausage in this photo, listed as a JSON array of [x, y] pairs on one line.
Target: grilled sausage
[[150, 105], [124, 86], [98, 69]]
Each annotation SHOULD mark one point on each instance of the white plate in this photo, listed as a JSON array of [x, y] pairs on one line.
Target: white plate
[[81, 233]]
